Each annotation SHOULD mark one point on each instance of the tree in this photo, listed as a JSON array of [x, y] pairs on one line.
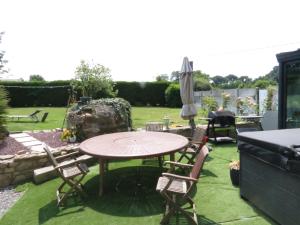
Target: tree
[[175, 76], [218, 80], [201, 81], [162, 77], [273, 74], [2, 60], [93, 80], [36, 77]]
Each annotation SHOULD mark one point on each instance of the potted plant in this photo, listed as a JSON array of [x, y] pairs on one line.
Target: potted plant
[[68, 135], [235, 172]]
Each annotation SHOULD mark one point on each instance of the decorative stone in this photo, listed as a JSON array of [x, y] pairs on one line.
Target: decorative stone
[[21, 152], [5, 157], [9, 170], [99, 117], [5, 179]]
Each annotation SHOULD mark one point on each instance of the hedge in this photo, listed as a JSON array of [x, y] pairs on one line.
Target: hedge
[[55, 93], [142, 93], [37, 96]]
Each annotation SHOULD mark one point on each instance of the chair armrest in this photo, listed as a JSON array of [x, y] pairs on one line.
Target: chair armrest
[[178, 164], [67, 155], [171, 175], [67, 164]]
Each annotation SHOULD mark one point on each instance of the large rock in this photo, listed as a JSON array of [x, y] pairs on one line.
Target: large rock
[[99, 117]]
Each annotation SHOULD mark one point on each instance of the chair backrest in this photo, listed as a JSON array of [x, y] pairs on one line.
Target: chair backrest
[[196, 170], [270, 120], [44, 116], [198, 135], [154, 126], [34, 113], [50, 155]]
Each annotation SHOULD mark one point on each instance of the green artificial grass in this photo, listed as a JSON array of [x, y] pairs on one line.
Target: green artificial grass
[[140, 115], [218, 202]]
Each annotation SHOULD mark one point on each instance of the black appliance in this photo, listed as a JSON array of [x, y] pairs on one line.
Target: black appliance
[[220, 123]]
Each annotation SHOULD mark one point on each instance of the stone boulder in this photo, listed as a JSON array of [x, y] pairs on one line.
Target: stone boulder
[[99, 117]]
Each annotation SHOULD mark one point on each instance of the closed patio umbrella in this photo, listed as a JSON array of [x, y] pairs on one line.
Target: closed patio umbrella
[[188, 111]]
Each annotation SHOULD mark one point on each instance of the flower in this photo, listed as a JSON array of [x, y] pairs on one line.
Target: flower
[[235, 165], [67, 134]]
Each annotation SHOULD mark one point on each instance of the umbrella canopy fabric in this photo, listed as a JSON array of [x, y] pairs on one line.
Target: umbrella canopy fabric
[[188, 110]]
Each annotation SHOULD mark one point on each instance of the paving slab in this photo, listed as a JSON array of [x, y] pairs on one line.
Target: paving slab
[[19, 135], [25, 139], [37, 148], [31, 143]]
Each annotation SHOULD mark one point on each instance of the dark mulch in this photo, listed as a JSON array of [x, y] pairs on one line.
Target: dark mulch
[[50, 138], [10, 147]]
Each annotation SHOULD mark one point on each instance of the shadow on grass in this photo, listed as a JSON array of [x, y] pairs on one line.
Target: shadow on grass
[[51, 210], [129, 192], [22, 121]]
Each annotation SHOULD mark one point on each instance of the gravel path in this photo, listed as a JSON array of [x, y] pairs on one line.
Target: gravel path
[[8, 197]]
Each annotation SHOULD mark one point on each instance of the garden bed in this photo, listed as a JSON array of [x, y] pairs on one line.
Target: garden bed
[[52, 138], [10, 146]]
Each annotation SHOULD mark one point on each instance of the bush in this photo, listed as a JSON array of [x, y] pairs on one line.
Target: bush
[[3, 107], [201, 84], [172, 94], [210, 103]]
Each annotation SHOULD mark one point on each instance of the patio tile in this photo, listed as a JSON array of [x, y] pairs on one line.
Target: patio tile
[[37, 148], [19, 135], [25, 139], [31, 143]]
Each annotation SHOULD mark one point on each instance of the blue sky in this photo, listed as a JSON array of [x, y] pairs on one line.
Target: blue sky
[[139, 40]]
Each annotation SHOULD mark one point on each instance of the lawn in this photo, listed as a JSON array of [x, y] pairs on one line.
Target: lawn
[[140, 115], [218, 202]]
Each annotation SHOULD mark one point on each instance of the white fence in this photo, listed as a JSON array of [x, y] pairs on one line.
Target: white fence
[[259, 97]]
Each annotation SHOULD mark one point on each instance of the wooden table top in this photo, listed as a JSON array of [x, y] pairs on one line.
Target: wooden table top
[[130, 145]]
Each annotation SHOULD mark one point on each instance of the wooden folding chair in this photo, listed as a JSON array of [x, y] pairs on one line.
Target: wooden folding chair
[[196, 143], [156, 127], [176, 189], [71, 171]]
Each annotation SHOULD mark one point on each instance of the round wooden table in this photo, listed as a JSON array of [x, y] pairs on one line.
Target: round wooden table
[[131, 145]]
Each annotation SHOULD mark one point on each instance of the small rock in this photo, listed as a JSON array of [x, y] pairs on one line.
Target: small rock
[[5, 157]]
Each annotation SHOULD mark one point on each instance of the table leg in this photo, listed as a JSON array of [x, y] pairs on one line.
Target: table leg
[[101, 175], [172, 159]]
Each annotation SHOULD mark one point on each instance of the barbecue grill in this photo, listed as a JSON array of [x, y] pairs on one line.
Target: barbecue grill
[[220, 123]]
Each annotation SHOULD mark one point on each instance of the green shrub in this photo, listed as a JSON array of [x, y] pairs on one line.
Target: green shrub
[[201, 84], [210, 103], [3, 107], [172, 94]]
